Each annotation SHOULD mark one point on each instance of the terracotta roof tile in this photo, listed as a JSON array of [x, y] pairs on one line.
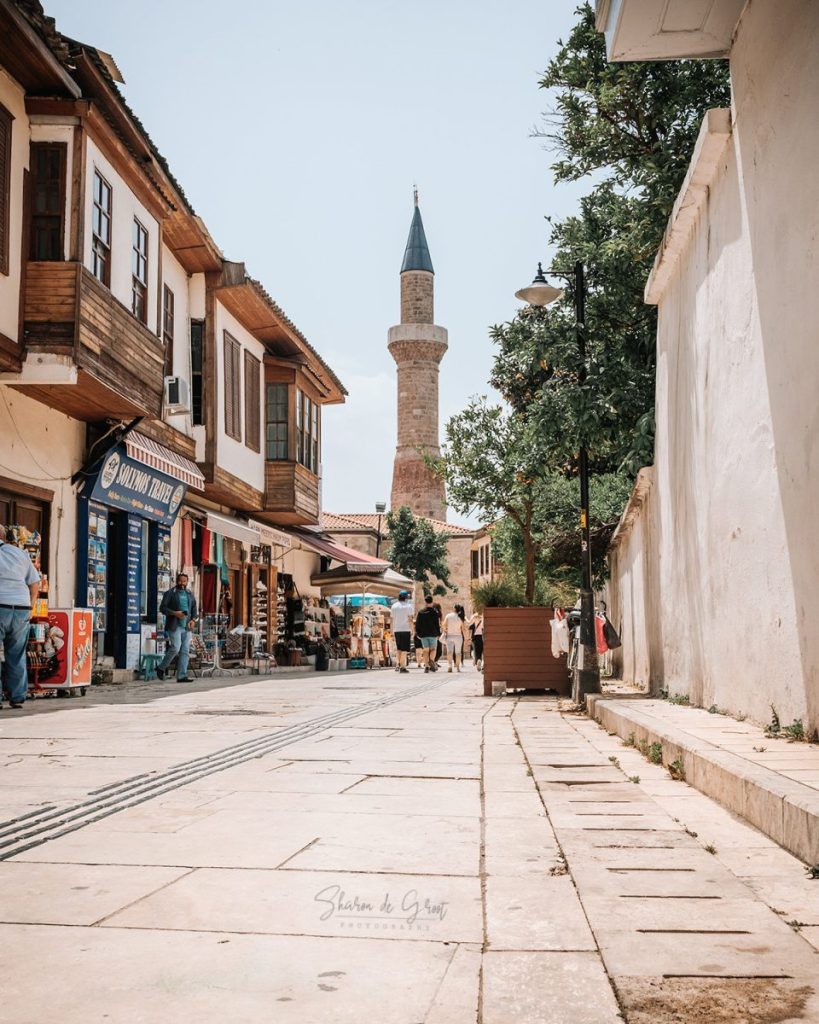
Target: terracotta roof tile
[[369, 521]]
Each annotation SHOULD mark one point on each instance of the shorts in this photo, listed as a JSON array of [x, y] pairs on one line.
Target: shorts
[[429, 643], [454, 646], [402, 640]]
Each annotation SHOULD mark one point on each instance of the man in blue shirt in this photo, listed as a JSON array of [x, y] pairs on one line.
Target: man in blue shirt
[[180, 611], [19, 587]]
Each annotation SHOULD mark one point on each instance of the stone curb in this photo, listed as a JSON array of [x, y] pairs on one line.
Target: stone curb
[[785, 810]]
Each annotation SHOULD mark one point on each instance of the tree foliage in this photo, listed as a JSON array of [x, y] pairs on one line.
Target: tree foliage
[[633, 126], [417, 551]]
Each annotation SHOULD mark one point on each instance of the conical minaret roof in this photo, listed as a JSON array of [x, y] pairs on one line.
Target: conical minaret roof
[[416, 254]]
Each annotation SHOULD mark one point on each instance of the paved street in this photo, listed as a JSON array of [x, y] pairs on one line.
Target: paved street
[[375, 846]]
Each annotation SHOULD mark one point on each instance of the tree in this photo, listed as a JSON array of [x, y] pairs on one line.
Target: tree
[[417, 551], [492, 467], [634, 126]]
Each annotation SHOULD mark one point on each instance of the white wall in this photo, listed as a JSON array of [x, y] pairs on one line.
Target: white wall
[[12, 98], [737, 449], [301, 565], [124, 208], [42, 448], [234, 456], [178, 280]]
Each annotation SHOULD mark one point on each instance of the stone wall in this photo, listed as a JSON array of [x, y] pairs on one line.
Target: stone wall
[[417, 297]]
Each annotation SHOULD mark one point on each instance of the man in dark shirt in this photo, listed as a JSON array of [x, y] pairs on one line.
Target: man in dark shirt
[[180, 611], [428, 629]]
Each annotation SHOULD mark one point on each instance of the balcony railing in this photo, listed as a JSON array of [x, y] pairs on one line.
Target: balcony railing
[[118, 361], [291, 494]]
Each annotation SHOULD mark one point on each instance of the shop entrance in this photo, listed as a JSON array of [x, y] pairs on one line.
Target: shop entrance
[[24, 521], [115, 616]]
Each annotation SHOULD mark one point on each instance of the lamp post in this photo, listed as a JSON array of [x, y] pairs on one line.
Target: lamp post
[[541, 293], [380, 508]]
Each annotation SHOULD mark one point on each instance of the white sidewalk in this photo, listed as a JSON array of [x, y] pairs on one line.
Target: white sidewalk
[[368, 846]]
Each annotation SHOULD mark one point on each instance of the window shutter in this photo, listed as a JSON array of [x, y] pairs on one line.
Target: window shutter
[[252, 403], [233, 411], [5, 187]]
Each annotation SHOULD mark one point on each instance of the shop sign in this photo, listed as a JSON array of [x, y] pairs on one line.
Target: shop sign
[[129, 485], [133, 570]]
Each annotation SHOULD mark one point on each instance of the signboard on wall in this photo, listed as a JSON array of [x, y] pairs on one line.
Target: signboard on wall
[[129, 485], [133, 573]]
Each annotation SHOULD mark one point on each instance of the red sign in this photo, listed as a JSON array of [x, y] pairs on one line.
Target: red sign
[[68, 646], [82, 632]]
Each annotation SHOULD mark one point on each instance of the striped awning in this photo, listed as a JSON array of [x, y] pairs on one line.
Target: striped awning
[[151, 453]]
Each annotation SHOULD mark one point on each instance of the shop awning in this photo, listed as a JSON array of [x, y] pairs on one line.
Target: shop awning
[[355, 561], [232, 528], [151, 453], [342, 581]]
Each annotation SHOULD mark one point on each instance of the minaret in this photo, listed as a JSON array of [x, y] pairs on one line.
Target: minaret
[[417, 346]]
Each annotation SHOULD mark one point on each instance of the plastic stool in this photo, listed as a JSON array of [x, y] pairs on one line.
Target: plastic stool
[[147, 665]]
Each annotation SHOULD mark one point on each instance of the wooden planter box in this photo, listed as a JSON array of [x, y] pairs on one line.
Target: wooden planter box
[[518, 651]]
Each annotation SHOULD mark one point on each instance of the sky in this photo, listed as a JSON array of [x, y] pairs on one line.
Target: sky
[[298, 130]]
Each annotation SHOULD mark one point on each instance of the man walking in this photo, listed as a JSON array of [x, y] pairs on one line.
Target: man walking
[[19, 587], [402, 625], [180, 611], [428, 629]]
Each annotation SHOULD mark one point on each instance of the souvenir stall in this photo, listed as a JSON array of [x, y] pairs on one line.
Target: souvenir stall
[[357, 597]]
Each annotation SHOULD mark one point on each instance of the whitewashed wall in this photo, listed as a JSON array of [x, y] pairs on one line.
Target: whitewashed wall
[[42, 448], [12, 98], [124, 208], [234, 456], [737, 450]]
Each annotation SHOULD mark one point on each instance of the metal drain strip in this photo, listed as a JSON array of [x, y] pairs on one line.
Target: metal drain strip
[[34, 829]]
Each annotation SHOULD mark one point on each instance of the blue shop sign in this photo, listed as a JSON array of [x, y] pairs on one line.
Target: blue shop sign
[[124, 483]]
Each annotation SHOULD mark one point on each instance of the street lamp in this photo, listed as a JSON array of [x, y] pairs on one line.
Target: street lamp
[[380, 508], [541, 293]]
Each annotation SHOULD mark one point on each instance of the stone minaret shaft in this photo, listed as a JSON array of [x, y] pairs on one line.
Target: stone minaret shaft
[[417, 346]]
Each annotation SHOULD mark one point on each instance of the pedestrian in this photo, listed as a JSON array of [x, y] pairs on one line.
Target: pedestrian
[[19, 587], [476, 628], [180, 611], [402, 626], [454, 632], [439, 648], [427, 631]]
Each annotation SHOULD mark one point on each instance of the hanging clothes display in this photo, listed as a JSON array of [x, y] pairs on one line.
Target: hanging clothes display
[[600, 633], [205, 552], [187, 545]]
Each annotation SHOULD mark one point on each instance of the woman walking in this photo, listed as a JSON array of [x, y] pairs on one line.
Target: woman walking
[[454, 632], [476, 628]]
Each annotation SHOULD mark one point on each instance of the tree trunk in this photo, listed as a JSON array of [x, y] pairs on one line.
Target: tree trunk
[[529, 549]]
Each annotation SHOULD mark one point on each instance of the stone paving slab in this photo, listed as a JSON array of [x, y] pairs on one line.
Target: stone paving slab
[[547, 988], [396, 907], [109, 976]]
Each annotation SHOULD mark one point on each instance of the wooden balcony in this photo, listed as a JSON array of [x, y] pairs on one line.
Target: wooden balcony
[[84, 352], [291, 496]]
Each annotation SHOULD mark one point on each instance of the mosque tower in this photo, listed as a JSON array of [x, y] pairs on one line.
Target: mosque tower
[[417, 345]]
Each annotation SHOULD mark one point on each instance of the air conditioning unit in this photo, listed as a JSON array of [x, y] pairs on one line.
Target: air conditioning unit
[[176, 396]]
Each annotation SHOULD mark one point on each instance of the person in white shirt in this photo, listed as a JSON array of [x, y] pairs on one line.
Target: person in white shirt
[[454, 635], [19, 587], [402, 627]]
